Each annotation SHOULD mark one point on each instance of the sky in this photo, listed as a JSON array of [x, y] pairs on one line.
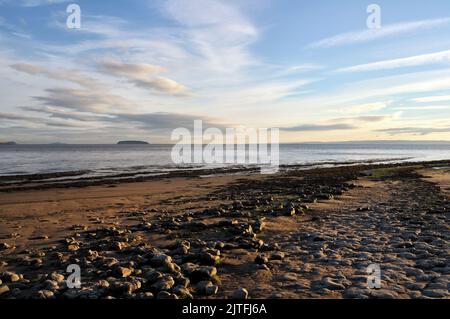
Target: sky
[[138, 69]]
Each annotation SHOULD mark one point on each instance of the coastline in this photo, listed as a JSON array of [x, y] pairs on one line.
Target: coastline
[[84, 178]]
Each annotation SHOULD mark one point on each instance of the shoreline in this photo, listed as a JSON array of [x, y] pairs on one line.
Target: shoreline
[[11, 183]]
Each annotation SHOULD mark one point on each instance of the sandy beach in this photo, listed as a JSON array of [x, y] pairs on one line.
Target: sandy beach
[[297, 234]]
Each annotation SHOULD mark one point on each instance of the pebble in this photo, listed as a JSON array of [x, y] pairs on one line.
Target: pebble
[[164, 283], [73, 247], [261, 259], [206, 288], [330, 284], [182, 292], [166, 295], [436, 293], [203, 273], [123, 272], [44, 294], [240, 294], [9, 277], [4, 289], [57, 277], [5, 246], [160, 260], [279, 255], [383, 294]]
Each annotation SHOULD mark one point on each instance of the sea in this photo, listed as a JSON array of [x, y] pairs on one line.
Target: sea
[[112, 160]]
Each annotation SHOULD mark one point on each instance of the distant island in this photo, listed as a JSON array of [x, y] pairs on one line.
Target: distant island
[[8, 143], [132, 143]]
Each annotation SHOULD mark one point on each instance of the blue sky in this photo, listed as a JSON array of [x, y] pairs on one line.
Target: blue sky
[[139, 69]]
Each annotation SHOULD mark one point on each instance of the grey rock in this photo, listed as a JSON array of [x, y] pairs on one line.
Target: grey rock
[[436, 293], [165, 283], [166, 295], [240, 294], [206, 288], [182, 292]]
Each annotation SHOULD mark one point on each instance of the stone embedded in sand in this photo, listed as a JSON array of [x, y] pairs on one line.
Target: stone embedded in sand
[[125, 287], [73, 247], [57, 277], [51, 285], [209, 259], [5, 246], [206, 288], [240, 294], [165, 283], [330, 284], [279, 255], [180, 280], [182, 292], [436, 293], [166, 295], [356, 293], [203, 273], [171, 267], [9, 277], [383, 294], [117, 245], [3, 289], [44, 294], [261, 259], [123, 272], [144, 295], [160, 260], [259, 226], [290, 211], [153, 276], [92, 255], [80, 227], [102, 284]]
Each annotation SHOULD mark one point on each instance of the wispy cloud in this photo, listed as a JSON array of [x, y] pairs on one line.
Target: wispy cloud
[[338, 124], [375, 34], [92, 97], [423, 108], [318, 127], [31, 3], [221, 36], [415, 130], [73, 76], [418, 60], [431, 99], [143, 75], [366, 107]]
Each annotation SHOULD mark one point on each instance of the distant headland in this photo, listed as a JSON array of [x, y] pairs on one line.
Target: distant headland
[[8, 143], [132, 143]]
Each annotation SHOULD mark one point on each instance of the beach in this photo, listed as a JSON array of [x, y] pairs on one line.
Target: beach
[[301, 233]]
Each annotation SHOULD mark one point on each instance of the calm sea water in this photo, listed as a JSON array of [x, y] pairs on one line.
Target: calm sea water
[[102, 160]]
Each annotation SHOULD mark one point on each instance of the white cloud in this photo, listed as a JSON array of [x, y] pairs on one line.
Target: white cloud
[[216, 31], [418, 60], [365, 108], [374, 34], [31, 3], [143, 75], [424, 108], [428, 99]]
